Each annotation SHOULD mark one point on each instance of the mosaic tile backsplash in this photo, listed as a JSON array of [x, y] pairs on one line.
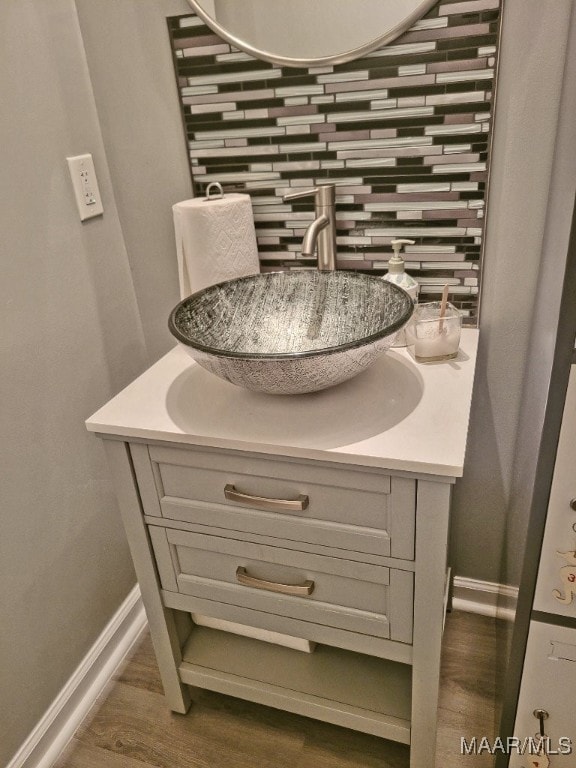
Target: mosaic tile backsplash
[[403, 132]]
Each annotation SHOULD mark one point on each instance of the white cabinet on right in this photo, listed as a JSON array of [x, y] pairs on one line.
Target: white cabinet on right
[[547, 699], [546, 704], [556, 585]]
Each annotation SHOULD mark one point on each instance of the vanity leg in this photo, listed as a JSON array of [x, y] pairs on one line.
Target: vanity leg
[[163, 628], [432, 517]]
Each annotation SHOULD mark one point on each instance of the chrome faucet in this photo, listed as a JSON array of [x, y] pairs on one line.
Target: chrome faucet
[[322, 231]]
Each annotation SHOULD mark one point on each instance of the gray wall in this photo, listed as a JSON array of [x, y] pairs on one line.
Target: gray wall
[[553, 235], [70, 337], [533, 48], [130, 63]]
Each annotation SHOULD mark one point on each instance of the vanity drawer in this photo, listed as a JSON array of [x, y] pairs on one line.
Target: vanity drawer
[[358, 597], [345, 508]]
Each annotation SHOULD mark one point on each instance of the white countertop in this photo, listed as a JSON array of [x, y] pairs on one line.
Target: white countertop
[[397, 415]]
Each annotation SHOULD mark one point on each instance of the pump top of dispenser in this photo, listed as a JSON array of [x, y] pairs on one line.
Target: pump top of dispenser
[[396, 273], [396, 263]]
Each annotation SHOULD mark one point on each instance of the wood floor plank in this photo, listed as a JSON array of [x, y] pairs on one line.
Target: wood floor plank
[[79, 755], [142, 669], [328, 746], [132, 727], [468, 689], [136, 723]]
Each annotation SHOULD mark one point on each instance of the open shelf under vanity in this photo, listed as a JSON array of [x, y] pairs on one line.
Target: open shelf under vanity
[[341, 687]]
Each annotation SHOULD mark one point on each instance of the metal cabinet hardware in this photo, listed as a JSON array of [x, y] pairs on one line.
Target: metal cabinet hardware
[[541, 715], [322, 231], [573, 504], [272, 586], [261, 502]]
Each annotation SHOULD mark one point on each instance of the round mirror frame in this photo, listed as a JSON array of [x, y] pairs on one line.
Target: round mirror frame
[[339, 58]]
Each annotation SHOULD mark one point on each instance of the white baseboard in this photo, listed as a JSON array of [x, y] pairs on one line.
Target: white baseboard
[[485, 597], [53, 732]]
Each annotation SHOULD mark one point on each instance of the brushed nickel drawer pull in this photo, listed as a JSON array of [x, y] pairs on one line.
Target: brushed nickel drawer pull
[[272, 586], [261, 502]]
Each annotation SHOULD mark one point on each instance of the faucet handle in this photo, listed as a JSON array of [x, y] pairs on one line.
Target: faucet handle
[[301, 193], [324, 194]]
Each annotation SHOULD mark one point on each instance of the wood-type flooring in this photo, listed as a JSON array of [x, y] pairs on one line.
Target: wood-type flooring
[[131, 727]]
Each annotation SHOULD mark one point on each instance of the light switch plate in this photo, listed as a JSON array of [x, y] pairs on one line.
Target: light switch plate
[[85, 185]]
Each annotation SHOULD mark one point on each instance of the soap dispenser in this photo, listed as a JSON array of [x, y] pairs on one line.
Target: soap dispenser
[[396, 272], [398, 276]]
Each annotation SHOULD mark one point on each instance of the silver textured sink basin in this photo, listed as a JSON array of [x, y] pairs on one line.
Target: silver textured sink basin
[[291, 332]]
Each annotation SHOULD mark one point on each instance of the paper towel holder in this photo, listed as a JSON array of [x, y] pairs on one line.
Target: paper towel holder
[[214, 185]]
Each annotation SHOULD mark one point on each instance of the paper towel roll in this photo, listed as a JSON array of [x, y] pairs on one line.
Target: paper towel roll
[[215, 241]]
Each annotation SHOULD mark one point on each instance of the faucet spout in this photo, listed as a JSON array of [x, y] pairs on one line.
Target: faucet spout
[[311, 235]]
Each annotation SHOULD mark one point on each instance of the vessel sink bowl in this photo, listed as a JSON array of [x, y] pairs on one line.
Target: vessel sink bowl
[[291, 332]]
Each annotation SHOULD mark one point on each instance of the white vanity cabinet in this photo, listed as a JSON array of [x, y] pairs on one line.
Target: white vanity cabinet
[[339, 538]]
